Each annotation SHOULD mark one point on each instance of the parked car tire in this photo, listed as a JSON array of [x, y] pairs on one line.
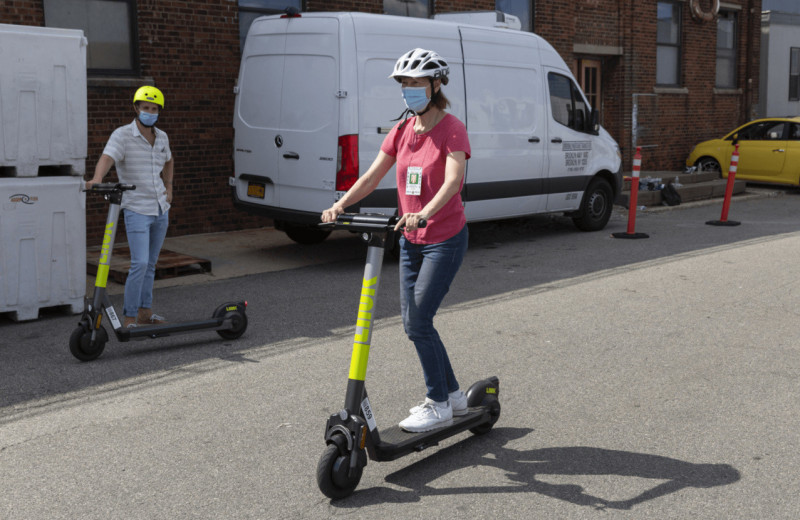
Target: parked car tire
[[709, 164]]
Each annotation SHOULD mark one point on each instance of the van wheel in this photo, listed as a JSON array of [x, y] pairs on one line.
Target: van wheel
[[596, 206], [306, 234]]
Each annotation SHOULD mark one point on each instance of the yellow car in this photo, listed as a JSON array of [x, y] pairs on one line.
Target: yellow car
[[769, 151]]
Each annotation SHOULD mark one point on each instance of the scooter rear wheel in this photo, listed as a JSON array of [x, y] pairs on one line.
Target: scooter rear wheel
[[80, 343], [494, 412], [238, 326], [333, 473]]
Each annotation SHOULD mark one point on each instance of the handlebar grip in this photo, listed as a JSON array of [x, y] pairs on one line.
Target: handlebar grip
[[106, 187]]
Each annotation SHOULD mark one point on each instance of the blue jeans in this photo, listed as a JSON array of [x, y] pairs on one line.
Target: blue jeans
[[426, 272], [145, 237]]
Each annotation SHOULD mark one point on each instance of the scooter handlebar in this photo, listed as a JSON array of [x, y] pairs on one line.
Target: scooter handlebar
[[366, 222], [108, 187]]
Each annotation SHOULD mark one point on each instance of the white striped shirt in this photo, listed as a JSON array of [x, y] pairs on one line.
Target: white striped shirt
[[141, 164]]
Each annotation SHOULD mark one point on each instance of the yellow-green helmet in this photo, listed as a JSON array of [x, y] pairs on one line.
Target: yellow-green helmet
[[151, 94]]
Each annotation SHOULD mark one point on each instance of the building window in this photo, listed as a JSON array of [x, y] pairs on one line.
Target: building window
[[726, 50], [794, 74], [249, 10], [110, 28], [415, 8], [522, 9], [668, 44]]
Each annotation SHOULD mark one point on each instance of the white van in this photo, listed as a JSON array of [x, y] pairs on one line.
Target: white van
[[314, 102]]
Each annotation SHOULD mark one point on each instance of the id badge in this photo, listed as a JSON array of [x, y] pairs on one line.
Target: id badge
[[413, 180]]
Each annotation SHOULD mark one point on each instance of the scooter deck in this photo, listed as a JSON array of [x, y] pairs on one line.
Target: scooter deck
[[396, 442], [160, 331]]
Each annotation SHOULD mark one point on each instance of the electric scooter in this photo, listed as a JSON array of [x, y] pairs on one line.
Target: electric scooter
[[352, 434], [89, 338]]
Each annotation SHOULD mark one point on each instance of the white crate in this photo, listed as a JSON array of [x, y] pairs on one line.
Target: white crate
[[43, 106], [42, 245]]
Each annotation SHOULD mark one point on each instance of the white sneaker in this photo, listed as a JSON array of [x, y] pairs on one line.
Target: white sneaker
[[428, 416], [458, 402]]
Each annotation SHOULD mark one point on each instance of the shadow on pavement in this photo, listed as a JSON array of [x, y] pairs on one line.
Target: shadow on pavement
[[525, 469]]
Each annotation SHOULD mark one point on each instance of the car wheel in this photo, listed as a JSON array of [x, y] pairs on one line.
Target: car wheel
[[709, 164]]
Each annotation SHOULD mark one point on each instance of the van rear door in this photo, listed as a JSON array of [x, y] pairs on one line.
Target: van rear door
[[289, 111]]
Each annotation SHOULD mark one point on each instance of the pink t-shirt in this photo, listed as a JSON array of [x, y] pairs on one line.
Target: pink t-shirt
[[425, 155]]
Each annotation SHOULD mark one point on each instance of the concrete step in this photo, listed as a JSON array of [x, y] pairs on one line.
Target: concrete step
[[690, 191], [669, 177]]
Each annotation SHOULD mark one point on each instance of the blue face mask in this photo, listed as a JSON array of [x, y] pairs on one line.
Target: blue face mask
[[148, 119], [416, 98]]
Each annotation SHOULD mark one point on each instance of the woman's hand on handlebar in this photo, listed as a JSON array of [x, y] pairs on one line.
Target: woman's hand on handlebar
[[91, 182], [330, 214], [411, 221]]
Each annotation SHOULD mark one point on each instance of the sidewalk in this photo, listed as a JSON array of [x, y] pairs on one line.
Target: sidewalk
[[249, 251]]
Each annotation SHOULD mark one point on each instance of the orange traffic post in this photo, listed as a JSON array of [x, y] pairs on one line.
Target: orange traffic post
[[630, 233], [726, 204]]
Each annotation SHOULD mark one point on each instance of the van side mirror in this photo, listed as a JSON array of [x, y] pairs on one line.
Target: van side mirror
[[594, 123]]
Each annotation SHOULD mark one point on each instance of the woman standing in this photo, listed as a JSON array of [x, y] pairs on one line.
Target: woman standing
[[431, 150]]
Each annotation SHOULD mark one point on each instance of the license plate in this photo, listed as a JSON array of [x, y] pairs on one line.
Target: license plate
[[255, 189]]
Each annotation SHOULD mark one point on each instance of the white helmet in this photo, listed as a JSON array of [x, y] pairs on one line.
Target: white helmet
[[420, 63]]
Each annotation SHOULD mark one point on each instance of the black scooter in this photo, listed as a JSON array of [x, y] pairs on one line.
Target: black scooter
[[89, 339], [352, 433]]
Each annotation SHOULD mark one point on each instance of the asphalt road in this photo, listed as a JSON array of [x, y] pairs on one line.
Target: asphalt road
[[653, 378]]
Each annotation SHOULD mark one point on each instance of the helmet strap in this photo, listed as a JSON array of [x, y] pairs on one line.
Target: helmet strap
[[405, 115], [426, 108], [434, 94]]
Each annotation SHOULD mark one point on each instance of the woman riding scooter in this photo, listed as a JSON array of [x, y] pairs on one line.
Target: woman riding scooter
[[430, 150]]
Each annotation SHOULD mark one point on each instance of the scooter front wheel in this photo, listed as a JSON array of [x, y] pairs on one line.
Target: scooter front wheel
[[333, 473], [81, 345]]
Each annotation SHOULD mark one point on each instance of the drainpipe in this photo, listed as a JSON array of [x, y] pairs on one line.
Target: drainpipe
[[748, 86]]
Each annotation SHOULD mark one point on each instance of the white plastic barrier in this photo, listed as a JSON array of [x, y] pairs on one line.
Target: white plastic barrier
[[42, 245], [43, 107]]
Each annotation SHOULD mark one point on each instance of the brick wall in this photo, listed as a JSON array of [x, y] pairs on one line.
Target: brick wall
[[376, 6], [702, 112], [364, 6], [21, 12], [682, 119]]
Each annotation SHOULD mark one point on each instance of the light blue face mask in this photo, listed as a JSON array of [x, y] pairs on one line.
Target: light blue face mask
[[148, 119], [416, 98]]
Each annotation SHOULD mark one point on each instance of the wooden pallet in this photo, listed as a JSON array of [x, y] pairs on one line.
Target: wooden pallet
[[170, 264]]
